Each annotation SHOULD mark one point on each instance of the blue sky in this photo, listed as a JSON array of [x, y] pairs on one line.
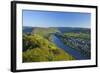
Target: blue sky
[[56, 19]]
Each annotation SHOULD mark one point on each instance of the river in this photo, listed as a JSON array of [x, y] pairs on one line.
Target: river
[[68, 49]]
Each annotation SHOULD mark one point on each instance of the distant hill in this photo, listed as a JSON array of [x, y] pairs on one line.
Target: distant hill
[[72, 29], [44, 31], [27, 29]]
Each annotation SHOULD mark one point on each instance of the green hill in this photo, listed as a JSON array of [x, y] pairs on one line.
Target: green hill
[[37, 49]]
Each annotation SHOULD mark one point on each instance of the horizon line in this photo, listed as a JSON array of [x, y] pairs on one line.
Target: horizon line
[[51, 27]]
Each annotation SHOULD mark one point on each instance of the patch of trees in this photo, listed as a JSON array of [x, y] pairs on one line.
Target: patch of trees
[[37, 48]]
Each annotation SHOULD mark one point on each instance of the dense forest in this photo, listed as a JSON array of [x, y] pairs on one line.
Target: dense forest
[[55, 44]]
